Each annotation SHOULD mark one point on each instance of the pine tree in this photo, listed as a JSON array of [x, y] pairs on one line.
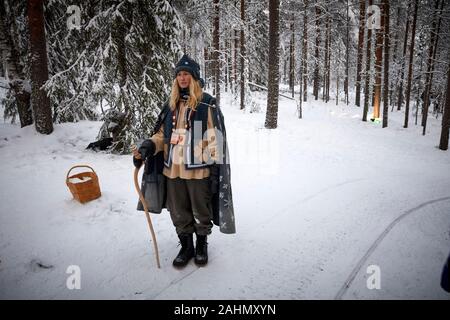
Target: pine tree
[[216, 52], [431, 63], [402, 69], [347, 55], [362, 25], [410, 66], [317, 51], [242, 54], [121, 58], [378, 67], [367, 71], [386, 62], [305, 52], [292, 58], [39, 69], [274, 56]]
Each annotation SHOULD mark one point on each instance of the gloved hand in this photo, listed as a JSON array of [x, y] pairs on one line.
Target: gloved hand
[[147, 149]]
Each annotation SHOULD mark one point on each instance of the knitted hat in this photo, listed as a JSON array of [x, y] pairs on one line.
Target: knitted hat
[[189, 65]]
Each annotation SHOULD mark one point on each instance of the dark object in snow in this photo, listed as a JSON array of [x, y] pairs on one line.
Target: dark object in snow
[[111, 130], [114, 122], [36, 265], [445, 281], [102, 144]]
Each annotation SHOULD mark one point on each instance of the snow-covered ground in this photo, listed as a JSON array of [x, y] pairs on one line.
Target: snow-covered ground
[[311, 198]]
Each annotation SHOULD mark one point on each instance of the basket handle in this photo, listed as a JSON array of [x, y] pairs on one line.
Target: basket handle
[[79, 166]]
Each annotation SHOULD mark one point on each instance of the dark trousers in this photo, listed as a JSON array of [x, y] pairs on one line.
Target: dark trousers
[[189, 203]]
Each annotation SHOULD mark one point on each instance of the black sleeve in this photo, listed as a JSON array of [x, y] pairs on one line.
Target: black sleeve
[[137, 162]]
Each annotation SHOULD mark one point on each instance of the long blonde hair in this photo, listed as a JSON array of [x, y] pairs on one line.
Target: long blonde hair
[[195, 94]]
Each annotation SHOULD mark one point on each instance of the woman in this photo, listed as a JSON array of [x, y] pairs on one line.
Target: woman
[[190, 133]]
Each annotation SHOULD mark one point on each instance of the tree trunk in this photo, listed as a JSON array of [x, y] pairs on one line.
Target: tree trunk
[[378, 68], [300, 97], [325, 60], [119, 33], [328, 59], [367, 72], [386, 62], [39, 68], [326, 71], [337, 77], [394, 58], [443, 144], [411, 58], [347, 44], [216, 62], [243, 54], [227, 62], [316, 56], [13, 72], [436, 42], [292, 59], [419, 90], [362, 25], [274, 59], [235, 59], [431, 57], [305, 53], [405, 45]]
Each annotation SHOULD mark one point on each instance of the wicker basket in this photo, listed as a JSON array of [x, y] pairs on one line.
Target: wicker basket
[[88, 188]]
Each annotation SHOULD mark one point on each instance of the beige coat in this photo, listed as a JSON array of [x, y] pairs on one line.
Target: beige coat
[[202, 150]]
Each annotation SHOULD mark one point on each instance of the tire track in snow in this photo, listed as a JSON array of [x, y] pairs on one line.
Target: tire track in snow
[[175, 281], [376, 243]]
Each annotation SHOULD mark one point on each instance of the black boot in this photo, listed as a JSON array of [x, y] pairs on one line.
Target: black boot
[[187, 250], [201, 250]]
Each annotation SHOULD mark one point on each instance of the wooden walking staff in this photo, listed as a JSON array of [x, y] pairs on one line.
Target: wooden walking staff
[[149, 220]]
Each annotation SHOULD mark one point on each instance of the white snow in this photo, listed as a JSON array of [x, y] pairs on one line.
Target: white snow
[[79, 180], [310, 197]]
